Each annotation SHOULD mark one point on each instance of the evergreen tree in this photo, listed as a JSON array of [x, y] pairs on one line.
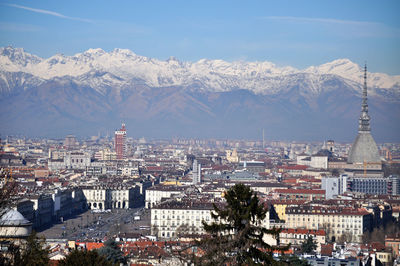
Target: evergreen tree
[[236, 234], [308, 246], [293, 260], [34, 253], [112, 252], [84, 258]]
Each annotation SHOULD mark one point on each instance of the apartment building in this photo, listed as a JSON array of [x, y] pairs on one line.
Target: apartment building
[[338, 222]]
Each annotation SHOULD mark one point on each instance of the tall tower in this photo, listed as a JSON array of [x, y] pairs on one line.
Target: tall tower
[[196, 173], [120, 142], [364, 151]]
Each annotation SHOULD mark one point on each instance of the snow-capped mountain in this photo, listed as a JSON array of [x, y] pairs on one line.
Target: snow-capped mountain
[[210, 75], [95, 90]]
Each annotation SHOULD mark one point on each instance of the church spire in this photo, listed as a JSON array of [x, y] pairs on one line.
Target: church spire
[[364, 125]]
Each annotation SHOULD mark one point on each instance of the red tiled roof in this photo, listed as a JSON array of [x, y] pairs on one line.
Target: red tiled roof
[[301, 191], [304, 231], [294, 167]]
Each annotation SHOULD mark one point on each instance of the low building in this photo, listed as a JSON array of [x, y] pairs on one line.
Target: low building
[[295, 237]]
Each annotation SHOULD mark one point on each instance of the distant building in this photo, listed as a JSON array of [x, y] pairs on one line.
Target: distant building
[[70, 142], [196, 173], [334, 186], [364, 153], [232, 156], [330, 145], [375, 185], [120, 143]]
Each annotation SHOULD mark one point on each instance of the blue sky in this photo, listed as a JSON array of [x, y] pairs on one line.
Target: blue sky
[[296, 33]]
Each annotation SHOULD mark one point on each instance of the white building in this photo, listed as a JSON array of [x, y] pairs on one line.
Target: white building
[[196, 173], [334, 186], [337, 222], [169, 219], [156, 193], [112, 197]]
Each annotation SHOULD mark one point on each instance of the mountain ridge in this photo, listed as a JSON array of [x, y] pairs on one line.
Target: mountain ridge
[[97, 90]]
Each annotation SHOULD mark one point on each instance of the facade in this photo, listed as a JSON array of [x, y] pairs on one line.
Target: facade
[[76, 160], [295, 237], [196, 173], [232, 156], [156, 193], [300, 194], [337, 222], [112, 197], [62, 203], [120, 143], [334, 186], [375, 186], [170, 219], [44, 209]]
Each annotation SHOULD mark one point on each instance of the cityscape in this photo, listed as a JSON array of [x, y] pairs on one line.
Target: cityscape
[[114, 158]]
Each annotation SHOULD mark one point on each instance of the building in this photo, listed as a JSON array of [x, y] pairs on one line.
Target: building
[[364, 153], [70, 142], [334, 186], [156, 193], [300, 194], [120, 143], [196, 173], [295, 237], [112, 197], [76, 160], [338, 222], [14, 226], [170, 218], [375, 185], [232, 156], [44, 209]]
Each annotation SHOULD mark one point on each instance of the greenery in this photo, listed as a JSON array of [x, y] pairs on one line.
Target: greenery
[[293, 261], [34, 252], [308, 246], [236, 234], [84, 258], [112, 252]]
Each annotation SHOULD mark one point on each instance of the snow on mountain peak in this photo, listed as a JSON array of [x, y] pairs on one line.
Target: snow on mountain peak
[[218, 75]]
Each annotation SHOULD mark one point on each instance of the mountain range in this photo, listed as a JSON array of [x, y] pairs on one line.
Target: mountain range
[[97, 90]]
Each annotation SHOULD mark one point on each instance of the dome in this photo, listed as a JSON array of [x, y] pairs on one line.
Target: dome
[[13, 217], [364, 149]]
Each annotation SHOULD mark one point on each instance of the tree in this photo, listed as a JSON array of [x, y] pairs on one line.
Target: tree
[[84, 258], [236, 235], [308, 246], [34, 253], [112, 252], [293, 260]]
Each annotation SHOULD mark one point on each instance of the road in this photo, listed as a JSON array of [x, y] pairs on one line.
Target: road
[[97, 226]]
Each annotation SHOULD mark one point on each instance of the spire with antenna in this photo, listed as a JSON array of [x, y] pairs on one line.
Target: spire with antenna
[[364, 125]]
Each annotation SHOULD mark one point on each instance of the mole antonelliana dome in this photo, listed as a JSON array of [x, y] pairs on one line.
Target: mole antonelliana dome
[[364, 149]]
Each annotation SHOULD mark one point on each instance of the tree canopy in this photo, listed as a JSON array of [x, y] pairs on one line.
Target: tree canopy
[[33, 253], [84, 258], [236, 235], [112, 252], [308, 246]]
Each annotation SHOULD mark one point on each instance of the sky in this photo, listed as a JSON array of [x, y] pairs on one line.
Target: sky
[[295, 33]]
